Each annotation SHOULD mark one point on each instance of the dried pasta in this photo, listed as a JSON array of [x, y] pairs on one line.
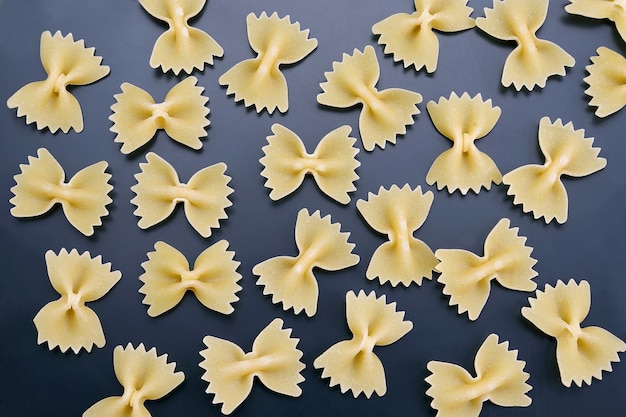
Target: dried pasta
[[385, 114], [67, 322], [582, 353], [538, 188], [41, 184], [259, 81], [333, 164], [183, 115], [606, 79], [230, 372], [601, 9], [290, 280], [352, 363], [47, 102]]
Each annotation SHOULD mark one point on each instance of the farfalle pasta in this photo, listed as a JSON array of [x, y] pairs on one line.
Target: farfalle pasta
[[183, 115], [180, 47], [352, 364], [333, 164], [463, 120], [614, 10], [467, 277], [384, 114], [259, 81], [606, 79], [582, 353], [67, 322], [167, 277], [500, 379], [533, 60], [411, 38], [144, 377], [398, 213], [289, 279], [538, 188], [158, 191], [230, 372], [48, 103], [41, 184]]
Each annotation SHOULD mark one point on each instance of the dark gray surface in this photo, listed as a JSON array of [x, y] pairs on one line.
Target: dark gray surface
[[591, 245]]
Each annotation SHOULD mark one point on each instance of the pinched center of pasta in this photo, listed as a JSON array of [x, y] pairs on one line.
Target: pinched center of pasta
[[180, 23]]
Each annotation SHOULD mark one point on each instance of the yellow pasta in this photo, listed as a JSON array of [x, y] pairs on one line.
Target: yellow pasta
[[606, 79], [614, 10]]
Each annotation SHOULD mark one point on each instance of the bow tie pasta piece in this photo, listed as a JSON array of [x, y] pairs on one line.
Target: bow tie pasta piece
[[144, 377], [606, 79], [289, 279], [259, 81], [183, 115], [582, 353], [230, 372], [48, 103], [463, 120], [352, 363], [533, 60], [333, 164], [538, 187], [41, 184], [180, 47], [67, 322], [467, 277], [500, 379], [614, 10], [158, 191], [398, 213], [385, 114], [411, 37]]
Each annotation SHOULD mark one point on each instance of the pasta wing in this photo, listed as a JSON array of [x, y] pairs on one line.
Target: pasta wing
[[606, 81], [601, 9]]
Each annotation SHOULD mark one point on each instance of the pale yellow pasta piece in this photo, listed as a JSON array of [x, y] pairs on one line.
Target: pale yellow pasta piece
[[463, 120], [533, 60], [144, 377], [467, 277], [500, 379], [158, 191], [352, 363], [333, 164], [290, 279], [582, 353], [538, 188], [48, 103], [167, 278], [230, 372], [398, 213], [259, 81], [385, 114], [180, 47], [41, 184], [607, 82], [614, 10], [411, 37], [183, 115], [67, 322]]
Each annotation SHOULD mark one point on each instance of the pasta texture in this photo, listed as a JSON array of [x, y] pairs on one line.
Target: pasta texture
[[230, 372], [181, 47], [290, 280], [158, 191], [500, 379], [183, 115], [144, 377], [533, 60], [41, 184], [167, 277], [606, 79], [463, 120], [67, 322], [538, 188], [333, 164], [352, 363], [48, 103], [582, 353], [398, 213], [384, 114], [259, 81], [411, 38], [467, 277], [601, 9]]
